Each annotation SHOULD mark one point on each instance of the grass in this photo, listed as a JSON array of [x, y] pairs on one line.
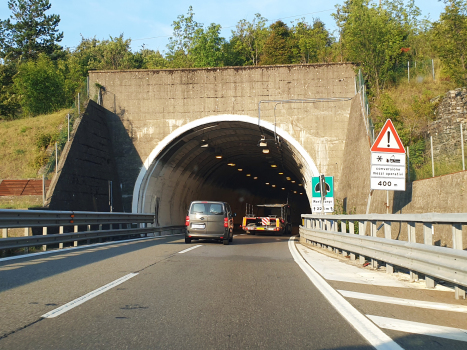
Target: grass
[[441, 168], [18, 139]]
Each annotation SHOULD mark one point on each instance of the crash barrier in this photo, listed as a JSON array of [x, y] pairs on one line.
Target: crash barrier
[[108, 224], [338, 233]]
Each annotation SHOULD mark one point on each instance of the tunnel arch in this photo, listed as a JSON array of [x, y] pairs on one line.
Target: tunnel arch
[[180, 169]]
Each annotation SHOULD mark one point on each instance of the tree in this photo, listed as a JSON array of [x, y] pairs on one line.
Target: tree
[[248, 40], [278, 48], [9, 103], [182, 41], [40, 85], [207, 48], [450, 40], [29, 31], [374, 36], [313, 42]]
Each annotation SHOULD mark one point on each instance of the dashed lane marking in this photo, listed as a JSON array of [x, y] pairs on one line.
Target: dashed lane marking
[[375, 336], [405, 302], [420, 328], [72, 304], [187, 250]]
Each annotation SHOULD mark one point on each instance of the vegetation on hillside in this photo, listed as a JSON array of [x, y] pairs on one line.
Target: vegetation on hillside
[[38, 76]]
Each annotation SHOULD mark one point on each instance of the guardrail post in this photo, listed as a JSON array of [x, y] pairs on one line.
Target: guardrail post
[[361, 232], [458, 244], [428, 240], [412, 238], [26, 234], [75, 229], [387, 235], [352, 231], [44, 233], [60, 245], [4, 233], [344, 230], [100, 229], [374, 262], [89, 229]]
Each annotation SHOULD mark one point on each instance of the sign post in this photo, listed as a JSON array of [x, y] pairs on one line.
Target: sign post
[[318, 196], [388, 160]]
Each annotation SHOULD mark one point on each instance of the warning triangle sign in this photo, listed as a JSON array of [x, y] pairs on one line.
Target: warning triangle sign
[[388, 140]]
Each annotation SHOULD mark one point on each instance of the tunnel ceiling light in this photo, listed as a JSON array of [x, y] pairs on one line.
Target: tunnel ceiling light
[[255, 178], [281, 173], [265, 150], [231, 164], [248, 174], [293, 181], [273, 166], [301, 193], [273, 185], [283, 188], [262, 142], [288, 178], [219, 156], [267, 183], [300, 184], [204, 145], [294, 191], [240, 169]]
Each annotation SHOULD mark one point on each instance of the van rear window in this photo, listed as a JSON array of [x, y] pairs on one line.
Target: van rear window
[[207, 208]]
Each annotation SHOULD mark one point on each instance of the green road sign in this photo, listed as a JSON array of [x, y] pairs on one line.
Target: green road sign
[[316, 193]]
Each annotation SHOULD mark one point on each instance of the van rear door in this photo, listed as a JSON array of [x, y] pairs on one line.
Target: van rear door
[[215, 218]]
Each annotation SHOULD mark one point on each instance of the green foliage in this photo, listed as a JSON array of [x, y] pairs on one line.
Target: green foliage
[[450, 40], [374, 36], [207, 47], [9, 101], [43, 140], [278, 48], [29, 31], [313, 42], [40, 85]]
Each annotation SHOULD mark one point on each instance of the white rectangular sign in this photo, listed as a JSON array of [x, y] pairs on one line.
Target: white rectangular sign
[[388, 158], [387, 172], [317, 208], [388, 184]]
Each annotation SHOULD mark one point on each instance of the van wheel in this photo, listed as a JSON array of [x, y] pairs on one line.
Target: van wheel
[[187, 240], [226, 242]]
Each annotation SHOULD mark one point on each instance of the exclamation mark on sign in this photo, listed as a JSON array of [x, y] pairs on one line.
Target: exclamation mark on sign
[[389, 137]]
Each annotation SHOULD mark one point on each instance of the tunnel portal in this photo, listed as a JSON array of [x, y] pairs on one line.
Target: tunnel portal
[[227, 158]]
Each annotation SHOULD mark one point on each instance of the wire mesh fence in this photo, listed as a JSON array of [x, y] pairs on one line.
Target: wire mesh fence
[[361, 87], [68, 132]]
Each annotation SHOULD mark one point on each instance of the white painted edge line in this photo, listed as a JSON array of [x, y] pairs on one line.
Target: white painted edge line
[[405, 302], [72, 304], [88, 246], [375, 336], [187, 250], [420, 328]]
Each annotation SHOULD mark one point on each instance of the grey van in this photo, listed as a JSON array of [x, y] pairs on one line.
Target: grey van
[[209, 220]]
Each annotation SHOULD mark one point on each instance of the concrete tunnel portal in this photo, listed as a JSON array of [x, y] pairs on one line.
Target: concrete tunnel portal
[[221, 158]]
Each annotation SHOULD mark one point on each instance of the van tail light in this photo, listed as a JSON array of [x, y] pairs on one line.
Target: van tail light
[[187, 221], [226, 222]]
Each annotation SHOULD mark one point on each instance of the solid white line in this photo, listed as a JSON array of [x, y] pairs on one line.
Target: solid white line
[[187, 250], [375, 336], [72, 304], [405, 302], [420, 328], [88, 246]]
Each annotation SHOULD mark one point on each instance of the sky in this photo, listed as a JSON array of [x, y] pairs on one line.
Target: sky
[[149, 22]]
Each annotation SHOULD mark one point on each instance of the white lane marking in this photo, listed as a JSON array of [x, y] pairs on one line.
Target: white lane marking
[[72, 304], [187, 250], [375, 336], [405, 302], [335, 270], [88, 246], [420, 328]]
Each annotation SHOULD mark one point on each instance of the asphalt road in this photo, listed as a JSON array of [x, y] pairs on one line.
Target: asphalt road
[[247, 295]]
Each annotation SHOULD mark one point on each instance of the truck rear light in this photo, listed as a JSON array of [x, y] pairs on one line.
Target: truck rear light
[[187, 221], [226, 222]]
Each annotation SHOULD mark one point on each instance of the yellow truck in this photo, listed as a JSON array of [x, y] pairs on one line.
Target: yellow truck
[[270, 218]]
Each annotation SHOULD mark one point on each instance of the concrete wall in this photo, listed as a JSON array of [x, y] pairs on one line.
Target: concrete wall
[[148, 105], [86, 165]]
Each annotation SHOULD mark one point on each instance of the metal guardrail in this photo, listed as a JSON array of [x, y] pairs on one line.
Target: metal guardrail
[[449, 264], [46, 219]]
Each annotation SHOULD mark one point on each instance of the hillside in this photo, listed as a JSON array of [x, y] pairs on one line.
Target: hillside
[[23, 144]]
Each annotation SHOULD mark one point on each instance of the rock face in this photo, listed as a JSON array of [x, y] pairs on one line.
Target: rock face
[[445, 131]]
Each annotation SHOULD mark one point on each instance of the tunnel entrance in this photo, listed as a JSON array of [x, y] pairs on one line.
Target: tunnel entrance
[[228, 158]]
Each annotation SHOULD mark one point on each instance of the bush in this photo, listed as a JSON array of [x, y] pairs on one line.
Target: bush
[[43, 141]]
